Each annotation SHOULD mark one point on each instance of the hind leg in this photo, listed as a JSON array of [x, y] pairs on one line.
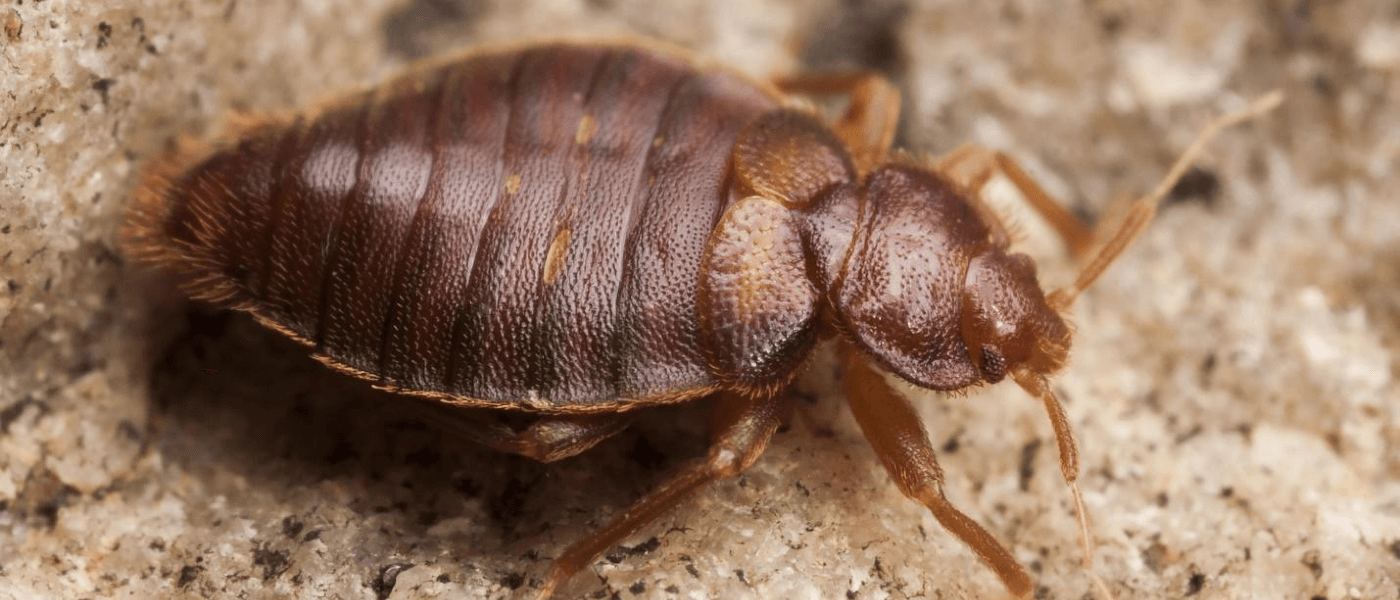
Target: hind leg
[[741, 428]]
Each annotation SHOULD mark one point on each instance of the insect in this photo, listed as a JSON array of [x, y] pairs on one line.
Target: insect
[[577, 231]]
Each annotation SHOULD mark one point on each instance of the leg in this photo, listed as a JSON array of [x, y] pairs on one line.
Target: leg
[[867, 127], [741, 429], [897, 435], [973, 166], [547, 439]]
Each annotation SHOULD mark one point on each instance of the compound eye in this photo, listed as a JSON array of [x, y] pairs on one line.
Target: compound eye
[[993, 365]]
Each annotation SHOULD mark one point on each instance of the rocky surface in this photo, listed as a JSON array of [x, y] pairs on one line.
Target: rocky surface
[[1233, 382]]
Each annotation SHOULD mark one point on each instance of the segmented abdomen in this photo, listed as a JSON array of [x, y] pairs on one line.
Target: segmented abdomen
[[518, 227]]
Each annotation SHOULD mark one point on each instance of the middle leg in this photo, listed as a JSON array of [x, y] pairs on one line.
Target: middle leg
[[872, 111]]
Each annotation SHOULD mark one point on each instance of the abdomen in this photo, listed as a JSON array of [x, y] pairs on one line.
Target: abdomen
[[518, 228]]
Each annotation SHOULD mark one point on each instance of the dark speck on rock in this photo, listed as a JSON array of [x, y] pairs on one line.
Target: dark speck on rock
[[292, 526], [383, 585], [102, 86], [622, 552], [513, 580], [188, 574], [1028, 463], [273, 562], [1194, 585], [1197, 185]]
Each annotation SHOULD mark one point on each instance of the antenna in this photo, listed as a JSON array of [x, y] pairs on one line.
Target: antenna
[[1142, 210]]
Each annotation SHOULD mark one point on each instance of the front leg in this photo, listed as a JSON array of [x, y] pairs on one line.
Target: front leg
[[895, 432]]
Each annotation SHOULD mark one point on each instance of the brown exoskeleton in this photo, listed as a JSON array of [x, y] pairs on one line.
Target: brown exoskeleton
[[581, 230]]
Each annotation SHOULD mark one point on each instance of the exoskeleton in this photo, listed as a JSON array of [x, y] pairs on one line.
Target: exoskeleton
[[582, 230]]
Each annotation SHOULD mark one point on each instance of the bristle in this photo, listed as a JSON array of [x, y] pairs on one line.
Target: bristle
[[146, 235], [143, 234]]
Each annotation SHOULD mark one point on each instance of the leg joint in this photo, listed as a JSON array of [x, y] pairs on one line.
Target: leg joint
[[723, 462]]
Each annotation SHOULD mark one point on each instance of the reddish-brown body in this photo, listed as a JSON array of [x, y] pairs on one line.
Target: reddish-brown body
[[580, 230], [407, 234]]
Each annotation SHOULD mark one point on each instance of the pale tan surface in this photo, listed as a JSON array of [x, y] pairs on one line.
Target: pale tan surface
[[1233, 377]]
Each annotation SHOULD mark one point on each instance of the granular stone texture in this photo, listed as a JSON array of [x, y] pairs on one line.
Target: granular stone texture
[[1233, 378]]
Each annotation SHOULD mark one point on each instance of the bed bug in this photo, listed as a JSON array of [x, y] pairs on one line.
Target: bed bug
[[579, 230]]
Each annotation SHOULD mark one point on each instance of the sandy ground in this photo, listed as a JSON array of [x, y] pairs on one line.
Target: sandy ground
[[1233, 382]]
